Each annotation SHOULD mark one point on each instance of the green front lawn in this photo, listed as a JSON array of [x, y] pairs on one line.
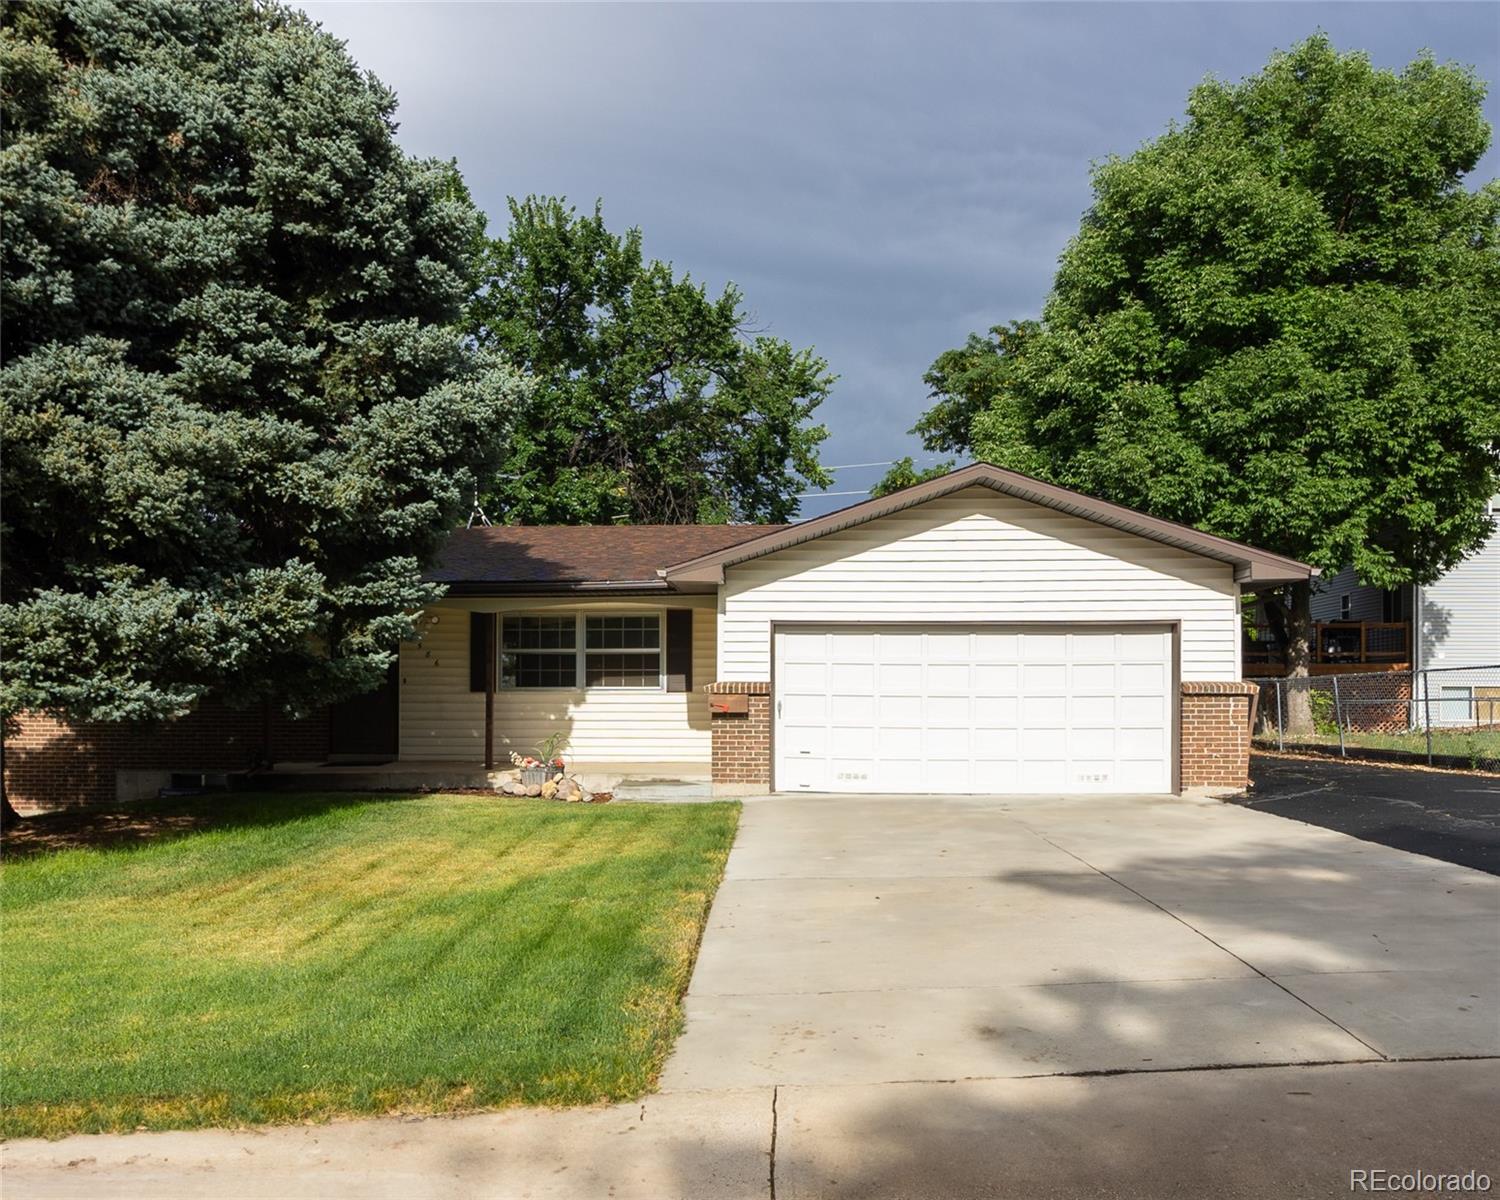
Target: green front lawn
[[293, 957]]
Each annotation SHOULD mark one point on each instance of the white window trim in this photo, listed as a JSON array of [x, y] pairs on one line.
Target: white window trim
[[581, 651]]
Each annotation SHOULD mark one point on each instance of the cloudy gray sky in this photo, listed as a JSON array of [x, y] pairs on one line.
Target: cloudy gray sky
[[879, 179]]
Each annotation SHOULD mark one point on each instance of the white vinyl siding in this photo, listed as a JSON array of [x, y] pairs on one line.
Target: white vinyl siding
[[979, 557], [442, 719], [1458, 621]]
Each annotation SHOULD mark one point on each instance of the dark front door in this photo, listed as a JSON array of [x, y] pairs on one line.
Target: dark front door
[[365, 728]]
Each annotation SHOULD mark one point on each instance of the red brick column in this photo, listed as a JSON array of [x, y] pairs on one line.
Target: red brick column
[[740, 720], [1215, 731]]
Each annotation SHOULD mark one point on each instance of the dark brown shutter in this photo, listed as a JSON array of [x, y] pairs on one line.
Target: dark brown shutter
[[679, 649], [481, 645]]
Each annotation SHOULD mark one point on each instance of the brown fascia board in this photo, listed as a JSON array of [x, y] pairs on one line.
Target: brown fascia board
[[1251, 566], [623, 587]]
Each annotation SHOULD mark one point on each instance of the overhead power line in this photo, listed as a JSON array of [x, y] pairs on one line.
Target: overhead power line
[[815, 495]]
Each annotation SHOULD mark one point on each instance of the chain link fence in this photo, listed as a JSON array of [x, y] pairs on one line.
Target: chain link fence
[[1447, 716]]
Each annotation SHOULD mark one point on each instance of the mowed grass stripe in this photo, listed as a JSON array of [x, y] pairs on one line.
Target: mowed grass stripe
[[311, 956]]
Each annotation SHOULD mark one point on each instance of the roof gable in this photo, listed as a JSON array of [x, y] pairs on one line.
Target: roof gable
[[1251, 566]]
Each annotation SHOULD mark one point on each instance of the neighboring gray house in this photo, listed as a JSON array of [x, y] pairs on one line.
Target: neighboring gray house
[[1444, 627], [1456, 620]]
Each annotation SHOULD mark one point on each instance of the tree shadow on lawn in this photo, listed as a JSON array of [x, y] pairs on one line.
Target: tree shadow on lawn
[[152, 821]]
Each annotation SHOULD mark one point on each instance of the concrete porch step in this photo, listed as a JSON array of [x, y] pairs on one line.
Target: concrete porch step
[[654, 789]]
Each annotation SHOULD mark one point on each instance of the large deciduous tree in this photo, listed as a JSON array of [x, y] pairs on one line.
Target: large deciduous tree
[[1280, 321], [238, 409], [652, 401]]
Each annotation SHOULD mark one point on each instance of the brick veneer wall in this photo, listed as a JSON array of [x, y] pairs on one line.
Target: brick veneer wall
[[56, 764], [1215, 731], [742, 741]]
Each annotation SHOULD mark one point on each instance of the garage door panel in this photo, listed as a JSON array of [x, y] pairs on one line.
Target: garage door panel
[[997, 647], [973, 709], [899, 775], [1137, 777], [950, 647], [804, 647], [999, 775], [856, 741], [803, 677], [1094, 710], [1044, 678], [996, 712], [948, 776], [941, 712], [1140, 743], [1151, 647], [954, 679], [1093, 678], [1092, 743], [1045, 741], [901, 647], [943, 744], [1044, 712], [851, 647], [899, 711], [1143, 678], [1043, 775], [854, 710], [1096, 647], [852, 678], [804, 709], [1143, 709], [996, 743], [797, 773], [899, 679], [805, 740], [996, 679]]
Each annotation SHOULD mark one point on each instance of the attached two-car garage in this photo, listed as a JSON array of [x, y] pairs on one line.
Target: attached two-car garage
[[982, 633], [974, 708]]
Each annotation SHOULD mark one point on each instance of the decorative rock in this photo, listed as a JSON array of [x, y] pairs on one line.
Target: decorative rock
[[549, 789], [567, 789], [586, 797], [534, 789]]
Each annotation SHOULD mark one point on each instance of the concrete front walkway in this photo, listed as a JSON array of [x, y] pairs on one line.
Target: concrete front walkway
[[916, 997], [874, 939]]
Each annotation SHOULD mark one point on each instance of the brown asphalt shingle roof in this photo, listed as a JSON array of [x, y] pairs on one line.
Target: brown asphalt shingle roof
[[563, 556]]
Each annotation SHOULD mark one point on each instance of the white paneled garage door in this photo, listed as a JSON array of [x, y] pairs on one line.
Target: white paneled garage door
[[1075, 708]]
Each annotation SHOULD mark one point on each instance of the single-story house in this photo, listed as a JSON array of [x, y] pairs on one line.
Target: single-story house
[[982, 632]]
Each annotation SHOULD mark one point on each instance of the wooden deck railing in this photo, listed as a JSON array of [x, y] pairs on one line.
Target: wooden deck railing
[[1339, 642]]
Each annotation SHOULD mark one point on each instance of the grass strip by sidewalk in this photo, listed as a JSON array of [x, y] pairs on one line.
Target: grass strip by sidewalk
[[302, 957], [1478, 748]]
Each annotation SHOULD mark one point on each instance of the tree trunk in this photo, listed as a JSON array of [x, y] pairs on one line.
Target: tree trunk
[[9, 817], [1298, 644]]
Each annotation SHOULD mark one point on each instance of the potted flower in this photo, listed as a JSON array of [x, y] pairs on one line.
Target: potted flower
[[546, 763]]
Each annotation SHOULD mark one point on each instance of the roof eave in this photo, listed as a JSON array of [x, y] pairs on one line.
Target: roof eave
[[517, 588]]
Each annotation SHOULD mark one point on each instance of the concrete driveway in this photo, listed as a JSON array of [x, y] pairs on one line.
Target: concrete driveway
[[882, 939]]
